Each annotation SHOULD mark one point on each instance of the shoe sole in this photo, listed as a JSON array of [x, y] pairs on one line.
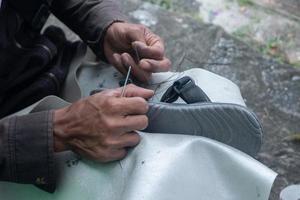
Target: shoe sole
[[230, 124]]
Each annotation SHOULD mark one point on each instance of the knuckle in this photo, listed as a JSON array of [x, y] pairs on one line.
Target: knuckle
[[111, 102], [143, 104], [106, 101], [144, 122], [109, 123], [115, 105], [114, 125], [111, 93]]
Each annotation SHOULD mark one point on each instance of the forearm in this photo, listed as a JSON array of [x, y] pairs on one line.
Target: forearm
[[26, 150], [88, 18]]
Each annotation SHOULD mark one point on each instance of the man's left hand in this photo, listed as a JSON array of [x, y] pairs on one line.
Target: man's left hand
[[135, 45]]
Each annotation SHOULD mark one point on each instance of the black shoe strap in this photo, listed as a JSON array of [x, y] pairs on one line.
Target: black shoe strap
[[186, 89]]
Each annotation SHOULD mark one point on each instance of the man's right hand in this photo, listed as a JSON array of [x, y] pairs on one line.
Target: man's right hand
[[102, 126]]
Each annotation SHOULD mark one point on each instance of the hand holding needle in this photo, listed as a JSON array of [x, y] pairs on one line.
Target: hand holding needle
[[128, 73]]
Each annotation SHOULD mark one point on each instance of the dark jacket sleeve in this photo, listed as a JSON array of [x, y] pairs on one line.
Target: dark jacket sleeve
[[26, 150], [89, 19]]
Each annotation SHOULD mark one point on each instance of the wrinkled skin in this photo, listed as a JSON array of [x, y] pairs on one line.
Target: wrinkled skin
[[101, 127], [135, 45]]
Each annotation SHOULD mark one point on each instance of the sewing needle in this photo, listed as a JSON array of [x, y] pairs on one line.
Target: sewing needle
[[126, 81]]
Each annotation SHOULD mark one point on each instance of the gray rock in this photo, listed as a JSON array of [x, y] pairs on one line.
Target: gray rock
[[271, 25]]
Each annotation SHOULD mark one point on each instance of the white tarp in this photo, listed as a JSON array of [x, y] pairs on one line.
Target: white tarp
[[162, 167]]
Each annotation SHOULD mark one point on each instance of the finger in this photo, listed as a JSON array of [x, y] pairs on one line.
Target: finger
[[116, 61], [78, 147], [106, 92], [129, 106], [106, 155], [156, 51], [134, 122], [137, 72], [135, 91], [102, 154], [131, 91], [128, 140], [130, 123], [147, 44], [117, 154], [151, 65]]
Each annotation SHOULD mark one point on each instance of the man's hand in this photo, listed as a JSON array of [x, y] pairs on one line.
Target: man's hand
[[135, 45], [102, 126]]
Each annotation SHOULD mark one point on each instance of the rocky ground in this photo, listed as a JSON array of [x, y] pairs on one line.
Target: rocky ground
[[270, 88], [272, 26]]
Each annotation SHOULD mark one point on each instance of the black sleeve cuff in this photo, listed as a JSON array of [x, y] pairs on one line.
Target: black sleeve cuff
[[89, 19], [27, 152]]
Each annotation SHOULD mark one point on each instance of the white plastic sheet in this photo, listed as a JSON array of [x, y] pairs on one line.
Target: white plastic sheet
[[162, 167]]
